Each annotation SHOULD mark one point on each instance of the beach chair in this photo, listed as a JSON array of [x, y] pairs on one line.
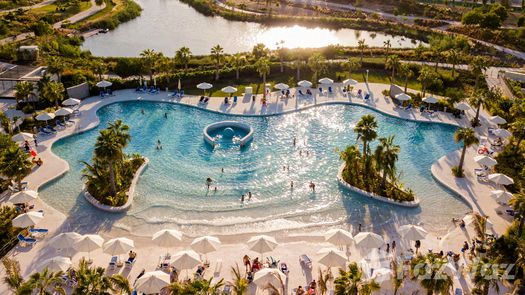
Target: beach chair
[[60, 124], [301, 92], [38, 232], [175, 93], [113, 262], [305, 261], [320, 91], [227, 289], [25, 241], [235, 99], [458, 291], [129, 263], [102, 94], [181, 93], [45, 131], [367, 96], [490, 131], [330, 90], [272, 262]]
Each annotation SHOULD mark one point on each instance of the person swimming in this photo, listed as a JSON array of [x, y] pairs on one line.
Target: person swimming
[[242, 199], [312, 186], [159, 144], [166, 115], [291, 184], [142, 111], [209, 181]]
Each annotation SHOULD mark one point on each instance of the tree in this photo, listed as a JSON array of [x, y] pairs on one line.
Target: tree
[[149, 57], [281, 54], [23, 90], [453, 57], [392, 63], [46, 282], [387, 46], [427, 269], [260, 50], [99, 68], [468, 137], [351, 65], [518, 204], [351, 282], [478, 99], [406, 72], [263, 68], [323, 278], [53, 92], [13, 277], [95, 281], [237, 61], [518, 131], [386, 155], [15, 164], [362, 46], [366, 132], [486, 275], [317, 63], [352, 157], [477, 66], [240, 283], [297, 64], [56, 66], [183, 56], [427, 77], [217, 53]]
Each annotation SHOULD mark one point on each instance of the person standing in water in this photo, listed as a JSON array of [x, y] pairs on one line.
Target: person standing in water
[[242, 199], [208, 182], [249, 196]]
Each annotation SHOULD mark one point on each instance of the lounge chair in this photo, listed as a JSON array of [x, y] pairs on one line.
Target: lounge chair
[[38, 231], [409, 107], [284, 268], [305, 261], [129, 263], [113, 262], [272, 262], [25, 241], [59, 123], [301, 92], [227, 290], [235, 99], [490, 131], [45, 131], [181, 93], [330, 90], [320, 91], [102, 94], [367, 96], [458, 291]]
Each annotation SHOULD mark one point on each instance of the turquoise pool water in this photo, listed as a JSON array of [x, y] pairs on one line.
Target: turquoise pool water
[[172, 191]]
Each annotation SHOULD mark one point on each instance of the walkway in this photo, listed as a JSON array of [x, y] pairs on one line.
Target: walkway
[[43, 3]]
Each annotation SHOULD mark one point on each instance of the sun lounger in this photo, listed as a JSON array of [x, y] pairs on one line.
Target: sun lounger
[[320, 91], [284, 268], [367, 96], [458, 291], [301, 92], [38, 231], [330, 90], [227, 290], [45, 131], [129, 263], [272, 262], [102, 94], [113, 262], [305, 261], [59, 123], [235, 99], [25, 241]]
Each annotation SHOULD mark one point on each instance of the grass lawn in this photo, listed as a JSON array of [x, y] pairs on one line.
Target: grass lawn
[[52, 8]]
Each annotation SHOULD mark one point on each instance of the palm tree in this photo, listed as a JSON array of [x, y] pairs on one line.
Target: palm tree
[[121, 284], [468, 136], [427, 77], [23, 90], [263, 68], [427, 269], [297, 64], [518, 131], [392, 63], [518, 204], [485, 275], [56, 66], [240, 283], [351, 156], [217, 53], [478, 99], [237, 61], [45, 281], [13, 278], [398, 276], [317, 64], [352, 64], [386, 155], [406, 72], [362, 46], [99, 68], [323, 280], [281, 54], [260, 50], [351, 282], [477, 66], [387, 46], [453, 57], [149, 57], [95, 281], [54, 92], [15, 164], [183, 56], [366, 132]]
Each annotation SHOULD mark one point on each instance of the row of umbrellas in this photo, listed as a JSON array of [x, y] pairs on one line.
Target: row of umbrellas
[[65, 111]]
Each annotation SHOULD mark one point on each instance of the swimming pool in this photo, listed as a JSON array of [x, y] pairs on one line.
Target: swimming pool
[[172, 190]]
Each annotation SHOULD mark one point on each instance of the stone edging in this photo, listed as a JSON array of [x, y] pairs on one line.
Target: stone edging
[[345, 184], [436, 177], [131, 192], [221, 124]]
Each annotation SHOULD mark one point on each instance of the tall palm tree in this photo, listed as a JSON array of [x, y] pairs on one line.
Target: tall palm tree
[[317, 63], [149, 57], [56, 66], [485, 275], [387, 46], [54, 92], [406, 72], [23, 90], [183, 56], [237, 61], [366, 132], [427, 77], [518, 131], [297, 64], [240, 283], [352, 157], [398, 277], [46, 282], [362, 46], [393, 63], [217, 53], [281, 54], [479, 98], [260, 50], [468, 137], [99, 68], [95, 281], [263, 68], [427, 269], [13, 277], [453, 57], [351, 65], [323, 279], [15, 164], [386, 155], [518, 204], [478, 65], [352, 282]]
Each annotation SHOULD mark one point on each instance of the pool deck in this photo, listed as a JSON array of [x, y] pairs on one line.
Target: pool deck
[[475, 194]]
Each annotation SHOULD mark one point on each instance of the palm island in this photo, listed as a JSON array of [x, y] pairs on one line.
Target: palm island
[[262, 147]]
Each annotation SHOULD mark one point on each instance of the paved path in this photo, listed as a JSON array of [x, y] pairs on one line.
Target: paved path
[[43, 3]]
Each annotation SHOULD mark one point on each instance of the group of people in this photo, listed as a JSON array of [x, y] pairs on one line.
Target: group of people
[[27, 147], [251, 266], [310, 289]]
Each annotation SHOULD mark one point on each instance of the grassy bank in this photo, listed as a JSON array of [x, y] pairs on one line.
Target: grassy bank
[[115, 13]]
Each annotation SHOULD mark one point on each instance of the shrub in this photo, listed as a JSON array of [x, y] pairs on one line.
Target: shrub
[[521, 21]]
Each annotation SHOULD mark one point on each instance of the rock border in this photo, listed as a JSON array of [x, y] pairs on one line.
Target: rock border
[[131, 193], [342, 182], [221, 124]]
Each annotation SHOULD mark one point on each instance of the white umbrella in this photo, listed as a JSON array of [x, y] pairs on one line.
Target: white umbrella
[[462, 106], [326, 81], [27, 219], [430, 99], [450, 270], [45, 117], [205, 244], [305, 84], [71, 102], [499, 178], [332, 257], [262, 244], [229, 89], [350, 82], [501, 196], [269, 276], [58, 263], [497, 120], [382, 275], [503, 133], [403, 97], [338, 237], [152, 282], [22, 136], [412, 232], [368, 240], [118, 246], [64, 112], [281, 86], [186, 259], [469, 219], [64, 240], [204, 86], [167, 238], [485, 161], [23, 197], [104, 84], [88, 243], [178, 85]]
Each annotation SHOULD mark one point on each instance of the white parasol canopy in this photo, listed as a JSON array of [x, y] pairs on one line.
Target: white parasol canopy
[[350, 82], [382, 274], [485, 160], [104, 84], [497, 120], [412, 232], [23, 197], [229, 89], [205, 244], [22, 136], [204, 86], [118, 246], [262, 244], [167, 238], [338, 237], [403, 97], [152, 282], [267, 276], [430, 99], [304, 83], [499, 178], [326, 81], [332, 257], [503, 133], [27, 219], [462, 106], [281, 86], [64, 112], [368, 240], [186, 259], [58, 263], [469, 219], [88, 243], [64, 240], [501, 196], [71, 102], [45, 116]]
